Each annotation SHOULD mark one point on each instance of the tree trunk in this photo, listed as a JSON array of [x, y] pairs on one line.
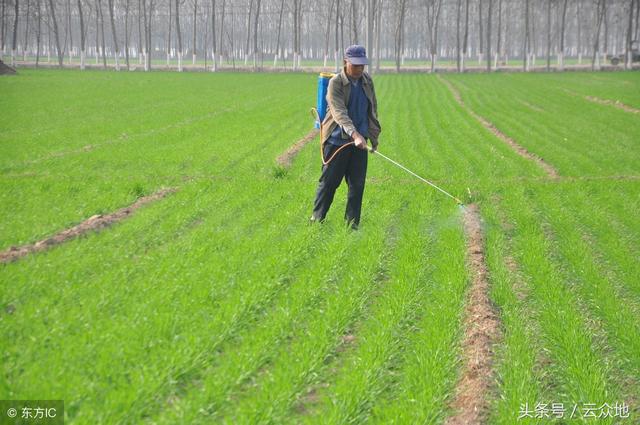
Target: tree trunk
[[70, 30], [82, 35], [600, 11], [562, 30], [52, 14], [480, 33], [525, 47], [214, 47], [26, 33], [38, 31], [255, 36], [221, 38], [194, 47], [169, 26], [126, 33], [246, 48], [15, 36], [354, 22], [628, 53], [327, 33], [579, 39], [104, 50], [148, 21], [499, 41], [399, 33], [337, 39], [115, 37], [2, 28], [179, 34], [489, 13], [277, 54], [458, 15], [548, 35], [465, 39]]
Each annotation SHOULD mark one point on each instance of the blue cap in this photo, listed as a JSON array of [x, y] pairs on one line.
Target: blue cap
[[356, 55]]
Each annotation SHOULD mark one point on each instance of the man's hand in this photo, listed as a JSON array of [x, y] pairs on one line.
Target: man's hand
[[359, 141]]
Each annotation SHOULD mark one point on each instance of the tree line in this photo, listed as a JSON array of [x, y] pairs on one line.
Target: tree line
[[283, 33]]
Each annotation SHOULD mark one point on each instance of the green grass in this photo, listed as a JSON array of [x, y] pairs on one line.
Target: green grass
[[219, 303]]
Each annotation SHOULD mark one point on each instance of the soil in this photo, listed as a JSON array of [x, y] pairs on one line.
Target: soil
[[482, 330], [6, 69], [95, 222], [286, 158], [615, 103], [520, 150]]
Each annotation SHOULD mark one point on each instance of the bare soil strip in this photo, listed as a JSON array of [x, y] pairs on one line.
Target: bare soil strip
[[615, 103], [95, 222], [520, 150], [286, 158], [482, 331]]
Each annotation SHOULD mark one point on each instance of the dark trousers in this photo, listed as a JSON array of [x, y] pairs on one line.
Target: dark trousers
[[351, 164]]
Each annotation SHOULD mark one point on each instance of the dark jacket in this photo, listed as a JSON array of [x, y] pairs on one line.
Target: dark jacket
[[338, 94]]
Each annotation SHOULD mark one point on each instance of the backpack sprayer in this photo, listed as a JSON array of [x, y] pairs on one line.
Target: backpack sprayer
[[319, 114]]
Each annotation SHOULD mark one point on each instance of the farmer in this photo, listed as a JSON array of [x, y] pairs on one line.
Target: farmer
[[352, 119]]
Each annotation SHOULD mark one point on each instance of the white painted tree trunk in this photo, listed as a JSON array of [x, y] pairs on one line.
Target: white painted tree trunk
[[13, 57], [579, 58], [495, 61], [146, 61], [168, 59], [480, 59], [117, 62], [179, 61], [324, 64], [434, 58], [561, 61], [193, 62], [275, 61], [82, 60]]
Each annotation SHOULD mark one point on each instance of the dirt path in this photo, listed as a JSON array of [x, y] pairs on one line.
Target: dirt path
[[95, 222], [520, 150], [615, 103], [286, 158], [482, 331]]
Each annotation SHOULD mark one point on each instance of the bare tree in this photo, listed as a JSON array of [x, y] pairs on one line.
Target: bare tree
[[126, 32], [54, 21], [526, 41], [489, 14], [26, 33], [115, 37], [465, 39], [15, 35], [2, 28], [104, 49], [169, 26], [297, 30], [214, 47], [562, 32], [499, 41], [327, 32], [82, 36], [38, 31], [548, 35], [601, 8], [255, 36], [433, 18], [480, 33], [399, 33], [354, 22], [195, 17], [277, 53], [628, 53], [179, 34], [246, 48]]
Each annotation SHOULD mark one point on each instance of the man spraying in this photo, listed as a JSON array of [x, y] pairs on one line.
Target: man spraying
[[351, 120]]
